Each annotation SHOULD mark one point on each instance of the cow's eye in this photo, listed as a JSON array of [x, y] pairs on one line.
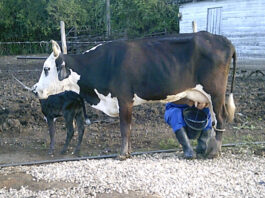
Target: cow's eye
[[46, 70]]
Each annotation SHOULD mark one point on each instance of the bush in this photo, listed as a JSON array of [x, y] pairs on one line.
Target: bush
[[141, 17], [31, 20]]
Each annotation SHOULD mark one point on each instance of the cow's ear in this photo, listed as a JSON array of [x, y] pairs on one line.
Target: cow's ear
[[56, 48]]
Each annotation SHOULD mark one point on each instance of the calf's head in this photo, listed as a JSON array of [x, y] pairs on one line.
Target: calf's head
[[55, 76]]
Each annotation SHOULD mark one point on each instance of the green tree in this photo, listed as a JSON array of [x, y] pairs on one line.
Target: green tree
[[138, 17], [23, 20], [31, 20]]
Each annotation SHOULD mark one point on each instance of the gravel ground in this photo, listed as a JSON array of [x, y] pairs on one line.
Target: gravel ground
[[159, 175]]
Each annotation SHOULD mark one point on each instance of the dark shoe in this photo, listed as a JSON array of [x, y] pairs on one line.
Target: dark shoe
[[185, 143], [192, 134], [202, 142]]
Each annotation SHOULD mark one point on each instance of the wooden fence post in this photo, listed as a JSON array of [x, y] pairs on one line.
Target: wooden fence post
[[108, 18], [63, 37], [194, 26]]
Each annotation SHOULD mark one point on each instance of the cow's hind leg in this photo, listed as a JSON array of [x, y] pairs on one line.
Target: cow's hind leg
[[125, 110], [51, 126], [80, 126], [70, 131], [215, 144]]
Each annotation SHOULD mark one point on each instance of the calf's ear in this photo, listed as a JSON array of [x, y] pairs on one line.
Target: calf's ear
[[56, 48]]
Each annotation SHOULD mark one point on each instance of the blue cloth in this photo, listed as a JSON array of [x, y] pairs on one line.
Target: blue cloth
[[174, 116]]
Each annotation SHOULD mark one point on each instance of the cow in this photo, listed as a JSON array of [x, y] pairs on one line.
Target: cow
[[118, 75], [71, 106]]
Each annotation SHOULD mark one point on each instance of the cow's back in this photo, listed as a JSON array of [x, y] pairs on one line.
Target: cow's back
[[152, 68], [157, 67]]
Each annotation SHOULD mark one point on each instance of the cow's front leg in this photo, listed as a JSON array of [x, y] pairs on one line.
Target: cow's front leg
[[125, 110], [51, 126]]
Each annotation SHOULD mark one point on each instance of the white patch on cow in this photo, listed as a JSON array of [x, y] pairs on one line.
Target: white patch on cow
[[137, 100], [196, 94], [93, 48], [107, 104], [50, 84]]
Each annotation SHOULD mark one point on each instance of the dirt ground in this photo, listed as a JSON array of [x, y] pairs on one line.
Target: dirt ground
[[24, 133]]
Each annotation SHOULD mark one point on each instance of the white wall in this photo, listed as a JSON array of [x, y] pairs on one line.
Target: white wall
[[243, 22]]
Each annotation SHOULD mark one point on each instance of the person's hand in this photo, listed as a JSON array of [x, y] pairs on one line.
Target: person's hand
[[190, 103], [202, 105]]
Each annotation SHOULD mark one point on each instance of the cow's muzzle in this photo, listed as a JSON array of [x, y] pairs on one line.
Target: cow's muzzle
[[34, 90]]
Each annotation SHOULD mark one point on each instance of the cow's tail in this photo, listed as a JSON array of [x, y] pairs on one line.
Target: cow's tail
[[87, 120], [230, 104]]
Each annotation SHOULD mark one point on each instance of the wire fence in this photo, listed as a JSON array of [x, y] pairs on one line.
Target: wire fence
[[28, 47], [78, 41]]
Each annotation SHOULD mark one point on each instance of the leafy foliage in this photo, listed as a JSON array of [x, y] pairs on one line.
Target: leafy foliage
[[35, 20], [140, 17], [23, 20]]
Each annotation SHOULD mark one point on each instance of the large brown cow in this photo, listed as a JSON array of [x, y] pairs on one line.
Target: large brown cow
[[118, 75]]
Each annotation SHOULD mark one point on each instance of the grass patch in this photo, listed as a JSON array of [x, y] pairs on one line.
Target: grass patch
[[238, 137], [169, 143]]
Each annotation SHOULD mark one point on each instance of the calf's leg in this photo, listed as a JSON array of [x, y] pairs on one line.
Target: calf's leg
[[70, 131], [81, 128], [51, 126]]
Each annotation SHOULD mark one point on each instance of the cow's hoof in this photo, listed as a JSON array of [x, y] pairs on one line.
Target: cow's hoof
[[214, 149], [122, 157], [213, 154]]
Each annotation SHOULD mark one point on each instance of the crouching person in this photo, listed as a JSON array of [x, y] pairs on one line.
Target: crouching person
[[71, 106], [189, 122]]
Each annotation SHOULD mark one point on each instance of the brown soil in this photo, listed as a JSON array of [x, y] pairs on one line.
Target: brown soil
[[24, 134]]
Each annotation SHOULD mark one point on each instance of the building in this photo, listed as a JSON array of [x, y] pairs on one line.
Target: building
[[241, 21]]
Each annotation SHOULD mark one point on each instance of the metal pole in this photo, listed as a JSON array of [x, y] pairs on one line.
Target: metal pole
[[32, 57], [63, 37], [109, 156]]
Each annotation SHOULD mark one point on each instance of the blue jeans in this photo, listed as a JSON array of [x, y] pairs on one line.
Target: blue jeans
[[174, 116]]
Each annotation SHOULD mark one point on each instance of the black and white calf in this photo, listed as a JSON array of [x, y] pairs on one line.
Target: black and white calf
[[71, 106]]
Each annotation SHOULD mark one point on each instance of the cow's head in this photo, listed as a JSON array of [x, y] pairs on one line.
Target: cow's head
[[55, 77]]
